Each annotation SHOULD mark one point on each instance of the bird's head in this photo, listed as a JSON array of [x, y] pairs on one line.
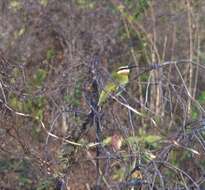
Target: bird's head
[[124, 70]]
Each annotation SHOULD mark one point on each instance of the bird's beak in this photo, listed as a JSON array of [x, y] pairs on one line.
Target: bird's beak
[[131, 66]]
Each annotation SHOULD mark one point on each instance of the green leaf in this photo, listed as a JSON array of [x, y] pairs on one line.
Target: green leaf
[[152, 138], [107, 141], [39, 115], [133, 140], [151, 142], [44, 185], [194, 114], [85, 3], [39, 77], [74, 98], [144, 77], [50, 54], [16, 104], [201, 97], [15, 5], [23, 180], [118, 174], [43, 2]]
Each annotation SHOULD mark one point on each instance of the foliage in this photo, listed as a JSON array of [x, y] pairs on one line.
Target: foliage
[[90, 4], [39, 78], [45, 184], [75, 98], [148, 141], [21, 169], [46, 60], [118, 174], [33, 106], [195, 110], [15, 5], [44, 2], [137, 8], [50, 54], [201, 98]]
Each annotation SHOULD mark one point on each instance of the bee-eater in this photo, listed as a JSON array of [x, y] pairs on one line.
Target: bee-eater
[[119, 79]]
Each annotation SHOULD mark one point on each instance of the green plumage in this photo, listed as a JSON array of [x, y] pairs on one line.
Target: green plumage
[[120, 78]]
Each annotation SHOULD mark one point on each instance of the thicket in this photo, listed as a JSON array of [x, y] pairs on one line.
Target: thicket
[[56, 58]]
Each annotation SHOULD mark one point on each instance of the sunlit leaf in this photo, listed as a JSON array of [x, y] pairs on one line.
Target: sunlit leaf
[[107, 141], [43, 2], [152, 138], [15, 5]]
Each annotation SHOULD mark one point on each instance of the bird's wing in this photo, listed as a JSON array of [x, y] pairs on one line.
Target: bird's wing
[[109, 88]]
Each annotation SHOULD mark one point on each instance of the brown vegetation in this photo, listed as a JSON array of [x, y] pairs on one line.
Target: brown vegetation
[[55, 59]]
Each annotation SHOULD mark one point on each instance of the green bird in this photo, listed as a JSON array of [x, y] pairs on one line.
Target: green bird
[[120, 79]]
